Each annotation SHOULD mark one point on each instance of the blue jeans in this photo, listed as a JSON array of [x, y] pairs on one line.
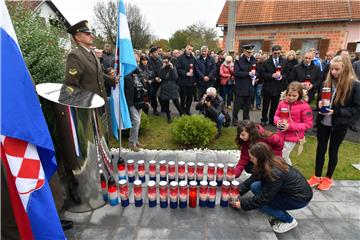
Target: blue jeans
[[258, 88], [279, 204], [220, 121], [226, 92]]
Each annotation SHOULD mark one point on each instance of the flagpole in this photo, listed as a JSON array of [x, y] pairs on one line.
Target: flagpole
[[120, 120]]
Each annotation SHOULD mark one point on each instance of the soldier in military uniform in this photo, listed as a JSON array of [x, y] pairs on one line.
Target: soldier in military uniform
[[84, 71]]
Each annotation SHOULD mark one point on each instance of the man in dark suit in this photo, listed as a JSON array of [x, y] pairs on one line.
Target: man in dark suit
[[273, 76], [205, 69], [244, 82]]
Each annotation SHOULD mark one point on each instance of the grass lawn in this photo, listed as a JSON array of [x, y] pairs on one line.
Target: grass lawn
[[158, 136]]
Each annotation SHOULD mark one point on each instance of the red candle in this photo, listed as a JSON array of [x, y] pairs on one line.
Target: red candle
[[152, 191], [326, 96], [123, 190], [199, 171], [171, 170], [230, 172], [212, 191], [191, 67], [211, 172], [234, 190], [219, 173], [163, 168], [137, 190], [203, 190], [253, 69], [193, 194], [284, 114], [163, 191], [183, 191], [141, 168], [181, 170], [152, 168], [278, 71], [225, 191], [130, 167], [191, 171]]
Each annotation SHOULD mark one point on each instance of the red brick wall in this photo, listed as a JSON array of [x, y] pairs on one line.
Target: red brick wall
[[283, 34]]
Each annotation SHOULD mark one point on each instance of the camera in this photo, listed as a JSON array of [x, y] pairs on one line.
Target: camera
[[209, 98]]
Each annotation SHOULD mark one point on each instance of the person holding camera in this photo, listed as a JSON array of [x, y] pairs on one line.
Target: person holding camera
[[212, 106], [277, 187], [168, 88]]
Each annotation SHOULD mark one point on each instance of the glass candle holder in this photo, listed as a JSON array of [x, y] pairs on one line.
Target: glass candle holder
[[141, 170], [171, 171], [181, 171], [121, 169], [225, 192], [174, 192], [203, 193], [130, 165], [152, 170], [163, 192], [112, 192], [230, 172], [124, 192], [211, 172], [152, 193], [325, 99], [138, 193], [191, 172], [199, 172], [193, 194], [219, 173], [103, 186], [212, 194], [234, 190], [183, 192], [163, 170]]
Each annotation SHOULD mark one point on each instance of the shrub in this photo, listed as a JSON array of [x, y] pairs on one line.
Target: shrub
[[193, 131], [145, 121]]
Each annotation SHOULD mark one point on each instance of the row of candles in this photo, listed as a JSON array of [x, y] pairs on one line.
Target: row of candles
[[180, 194], [168, 170]]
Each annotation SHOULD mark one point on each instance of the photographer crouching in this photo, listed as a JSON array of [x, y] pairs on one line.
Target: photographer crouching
[[212, 106]]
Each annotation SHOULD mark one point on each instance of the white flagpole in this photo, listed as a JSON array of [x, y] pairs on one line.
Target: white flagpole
[[120, 119]]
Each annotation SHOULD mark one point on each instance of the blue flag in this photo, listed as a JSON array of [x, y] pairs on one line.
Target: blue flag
[[27, 150], [125, 63]]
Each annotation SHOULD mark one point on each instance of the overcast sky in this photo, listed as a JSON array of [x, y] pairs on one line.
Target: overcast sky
[[164, 16]]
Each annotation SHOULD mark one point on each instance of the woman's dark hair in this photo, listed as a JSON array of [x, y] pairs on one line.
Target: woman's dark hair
[[266, 161], [143, 57], [254, 135], [166, 58]]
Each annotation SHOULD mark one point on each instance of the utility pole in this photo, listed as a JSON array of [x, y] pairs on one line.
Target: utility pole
[[230, 35]]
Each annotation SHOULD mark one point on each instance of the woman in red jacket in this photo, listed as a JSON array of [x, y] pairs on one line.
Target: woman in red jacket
[[249, 133], [227, 80]]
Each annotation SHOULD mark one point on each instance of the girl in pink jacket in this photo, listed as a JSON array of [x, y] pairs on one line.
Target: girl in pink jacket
[[293, 117]]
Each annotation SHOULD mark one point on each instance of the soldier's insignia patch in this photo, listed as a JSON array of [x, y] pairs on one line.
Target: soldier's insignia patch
[[73, 71]]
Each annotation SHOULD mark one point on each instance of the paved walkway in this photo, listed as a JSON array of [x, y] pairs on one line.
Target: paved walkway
[[334, 214]]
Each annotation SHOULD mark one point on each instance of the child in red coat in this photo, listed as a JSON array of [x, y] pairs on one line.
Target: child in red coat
[[249, 133], [293, 117]]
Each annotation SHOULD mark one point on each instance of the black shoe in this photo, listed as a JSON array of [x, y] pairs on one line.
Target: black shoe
[[263, 123], [156, 113], [234, 123], [66, 224]]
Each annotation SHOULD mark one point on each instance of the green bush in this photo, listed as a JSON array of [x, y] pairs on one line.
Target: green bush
[[193, 131]]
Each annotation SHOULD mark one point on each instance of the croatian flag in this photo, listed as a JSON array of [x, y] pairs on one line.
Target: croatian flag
[[125, 63], [27, 151]]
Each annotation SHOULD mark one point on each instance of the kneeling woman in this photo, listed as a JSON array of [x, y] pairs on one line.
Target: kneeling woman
[[276, 186]]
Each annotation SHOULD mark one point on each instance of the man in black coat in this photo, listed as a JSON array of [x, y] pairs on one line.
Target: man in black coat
[[307, 73], [205, 68], [244, 82], [273, 75], [155, 63], [185, 67]]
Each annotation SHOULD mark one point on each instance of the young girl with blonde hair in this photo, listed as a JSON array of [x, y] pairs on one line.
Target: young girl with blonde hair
[[332, 124]]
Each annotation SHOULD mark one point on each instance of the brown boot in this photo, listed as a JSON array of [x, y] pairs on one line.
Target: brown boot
[[134, 148], [140, 145]]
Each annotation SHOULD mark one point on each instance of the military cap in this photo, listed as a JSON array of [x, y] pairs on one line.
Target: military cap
[[153, 49], [82, 26], [249, 47]]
